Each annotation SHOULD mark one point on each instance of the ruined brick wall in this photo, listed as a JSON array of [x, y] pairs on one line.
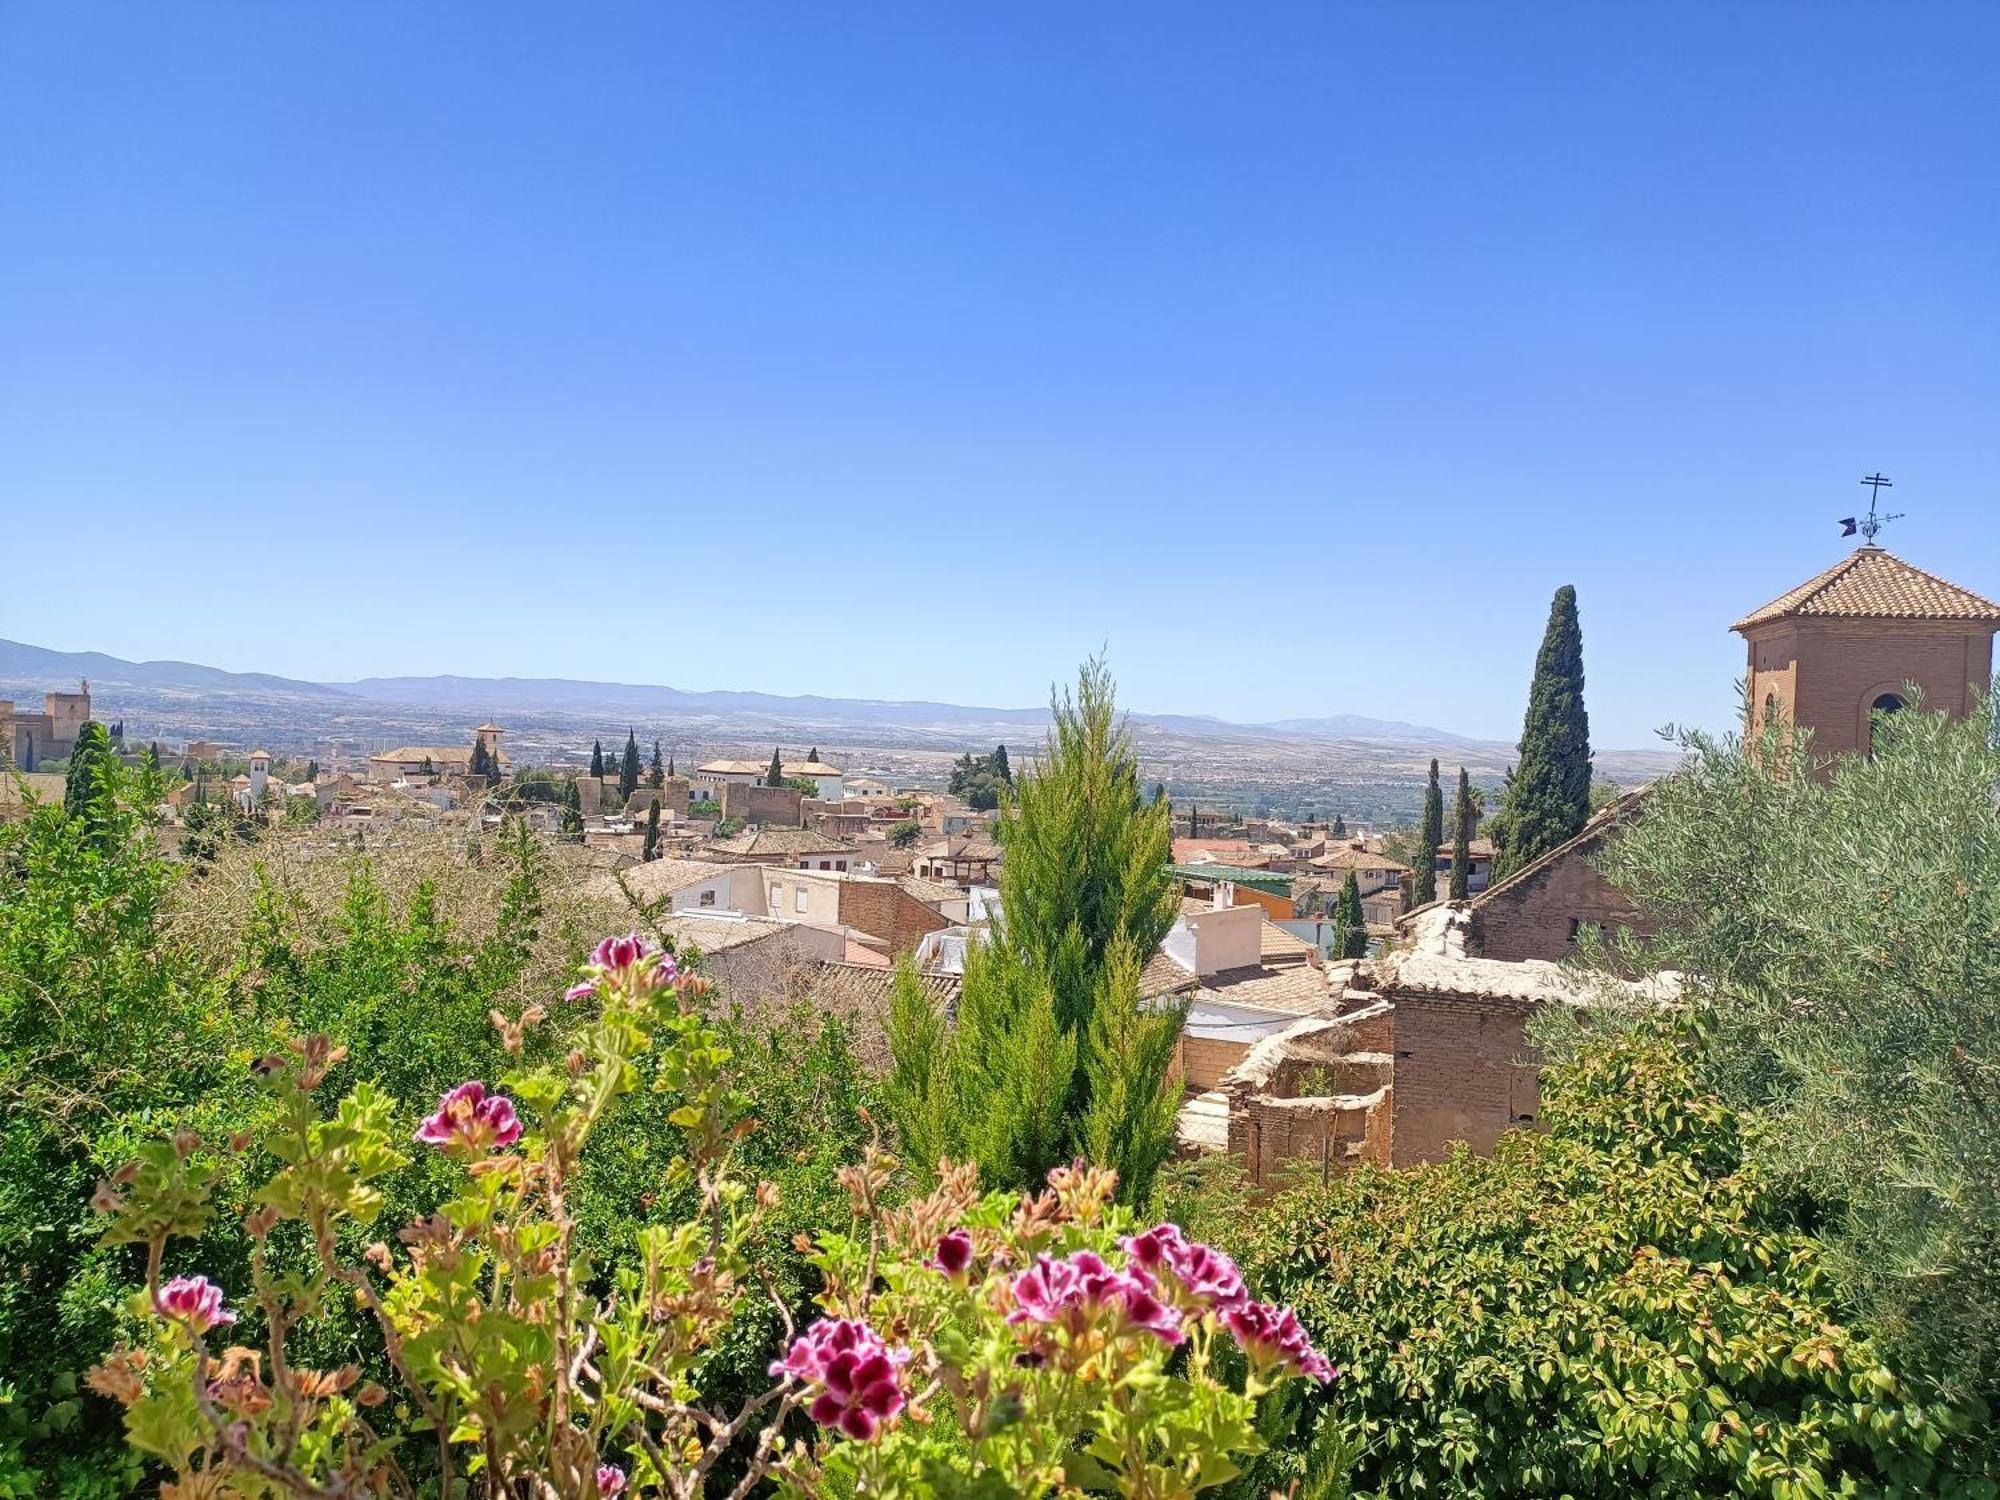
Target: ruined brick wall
[[1266, 1134], [889, 912], [772, 806], [1538, 915], [1464, 1072], [1203, 1060]]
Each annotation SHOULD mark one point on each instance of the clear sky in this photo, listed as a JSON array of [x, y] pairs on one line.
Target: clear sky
[[1296, 353]]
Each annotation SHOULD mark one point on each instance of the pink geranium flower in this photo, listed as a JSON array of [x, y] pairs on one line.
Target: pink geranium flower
[[1075, 1292], [610, 1479], [195, 1301], [858, 1375], [628, 962], [1274, 1340], [954, 1253], [471, 1119], [1210, 1278]]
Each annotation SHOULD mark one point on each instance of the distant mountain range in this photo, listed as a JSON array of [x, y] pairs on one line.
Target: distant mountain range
[[37, 666]]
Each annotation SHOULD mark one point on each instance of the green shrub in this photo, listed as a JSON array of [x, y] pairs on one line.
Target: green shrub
[[1621, 1306]]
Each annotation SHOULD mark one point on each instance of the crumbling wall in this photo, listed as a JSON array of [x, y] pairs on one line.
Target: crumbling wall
[[1464, 1071], [1347, 1117]]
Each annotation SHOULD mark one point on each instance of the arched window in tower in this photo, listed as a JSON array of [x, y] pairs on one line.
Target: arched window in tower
[[1886, 703]]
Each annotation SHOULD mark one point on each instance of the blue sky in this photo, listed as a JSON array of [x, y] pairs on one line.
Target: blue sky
[[1296, 353]]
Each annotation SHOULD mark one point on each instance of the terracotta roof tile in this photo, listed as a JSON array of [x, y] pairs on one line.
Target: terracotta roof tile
[[1875, 585]]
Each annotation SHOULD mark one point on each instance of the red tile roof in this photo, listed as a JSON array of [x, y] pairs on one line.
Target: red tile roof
[[1875, 585]]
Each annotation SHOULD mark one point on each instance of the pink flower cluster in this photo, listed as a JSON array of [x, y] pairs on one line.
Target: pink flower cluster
[[195, 1301], [1209, 1278], [1271, 1336], [472, 1119], [1273, 1339], [1075, 1291], [610, 1479], [858, 1376], [619, 961]]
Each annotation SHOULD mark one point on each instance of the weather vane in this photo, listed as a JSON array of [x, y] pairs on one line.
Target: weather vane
[[1871, 523]]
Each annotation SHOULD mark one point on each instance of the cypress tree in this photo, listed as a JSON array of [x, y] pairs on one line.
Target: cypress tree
[[650, 851], [87, 790], [572, 817], [656, 775], [1547, 797], [1350, 926], [1339, 826], [597, 758], [628, 769], [1052, 1054], [776, 775], [1461, 841], [1000, 766], [312, 766], [1424, 881], [153, 758], [813, 755], [670, 763]]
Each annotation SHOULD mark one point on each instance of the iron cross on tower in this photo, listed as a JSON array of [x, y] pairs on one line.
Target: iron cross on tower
[[1871, 523]]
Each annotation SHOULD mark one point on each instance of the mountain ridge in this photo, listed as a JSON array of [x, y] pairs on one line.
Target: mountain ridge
[[488, 695]]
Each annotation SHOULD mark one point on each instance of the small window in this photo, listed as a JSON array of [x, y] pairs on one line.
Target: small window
[[777, 895], [824, 865], [799, 899], [708, 898]]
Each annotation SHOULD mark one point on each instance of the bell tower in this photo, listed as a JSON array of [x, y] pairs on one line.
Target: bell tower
[[1848, 643]]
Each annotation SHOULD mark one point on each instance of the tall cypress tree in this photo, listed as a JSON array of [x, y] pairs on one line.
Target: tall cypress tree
[[1547, 797], [597, 758], [813, 755], [1000, 766], [572, 815], [87, 790], [1461, 839], [1350, 925], [670, 763], [650, 850], [1430, 837], [656, 774], [1052, 1055], [628, 768], [776, 775]]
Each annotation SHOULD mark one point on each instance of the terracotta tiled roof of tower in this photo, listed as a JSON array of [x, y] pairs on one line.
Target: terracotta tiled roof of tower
[[1876, 585]]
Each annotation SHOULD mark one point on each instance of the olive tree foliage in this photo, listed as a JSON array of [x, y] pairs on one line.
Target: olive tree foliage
[[1051, 1054], [1839, 924]]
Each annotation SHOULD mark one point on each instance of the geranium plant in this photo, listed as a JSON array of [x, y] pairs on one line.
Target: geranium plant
[[969, 1344]]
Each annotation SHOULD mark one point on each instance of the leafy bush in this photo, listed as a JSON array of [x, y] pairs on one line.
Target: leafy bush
[[971, 1345], [1841, 931], [105, 1019], [1621, 1306]]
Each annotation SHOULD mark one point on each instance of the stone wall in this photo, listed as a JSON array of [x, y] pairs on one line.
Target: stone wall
[[673, 797], [771, 806]]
